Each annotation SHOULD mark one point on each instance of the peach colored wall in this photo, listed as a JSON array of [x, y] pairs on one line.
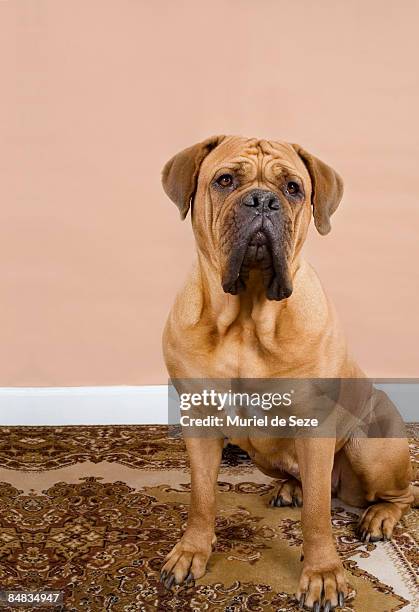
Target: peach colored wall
[[97, 94]]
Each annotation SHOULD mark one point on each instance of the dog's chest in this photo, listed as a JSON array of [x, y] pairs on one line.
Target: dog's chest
[[244, 354]]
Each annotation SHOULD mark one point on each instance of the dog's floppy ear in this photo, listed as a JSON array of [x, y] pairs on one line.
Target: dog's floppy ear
[[180, 174], [327, 189]]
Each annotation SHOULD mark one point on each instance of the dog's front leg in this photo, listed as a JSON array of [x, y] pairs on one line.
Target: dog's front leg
[[322, 583], [188, 559]]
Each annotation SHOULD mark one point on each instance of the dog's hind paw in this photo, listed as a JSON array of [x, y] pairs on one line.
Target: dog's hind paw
[[289, 493], [378, 521]]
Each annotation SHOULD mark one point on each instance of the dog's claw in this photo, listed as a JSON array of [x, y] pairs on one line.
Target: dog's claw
[[169, 581], [295, 502], [189, 578], [163, 575], [341, 599], [327, 606], [302, 600], [279, 501], [316, 607]]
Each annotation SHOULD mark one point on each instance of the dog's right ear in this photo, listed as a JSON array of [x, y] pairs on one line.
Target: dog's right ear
[[180, 174]]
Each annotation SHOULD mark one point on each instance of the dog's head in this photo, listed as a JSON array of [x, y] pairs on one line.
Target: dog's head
[[251, 205]]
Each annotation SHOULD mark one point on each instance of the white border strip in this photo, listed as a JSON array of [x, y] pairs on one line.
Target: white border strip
[[125, 405], [116, 405]]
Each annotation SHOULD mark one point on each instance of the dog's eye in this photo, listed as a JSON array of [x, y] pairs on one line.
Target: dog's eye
[[293, 188], [225, 180]]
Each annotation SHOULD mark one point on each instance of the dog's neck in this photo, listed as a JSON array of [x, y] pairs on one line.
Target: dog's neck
[[223, 309]]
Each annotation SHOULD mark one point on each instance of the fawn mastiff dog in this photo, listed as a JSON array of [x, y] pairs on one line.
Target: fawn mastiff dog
[[252, 307]]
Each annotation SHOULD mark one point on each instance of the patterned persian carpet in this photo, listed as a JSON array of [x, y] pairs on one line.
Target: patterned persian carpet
[[92, 511]]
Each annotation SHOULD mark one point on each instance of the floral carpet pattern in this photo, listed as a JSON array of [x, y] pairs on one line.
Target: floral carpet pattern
[[92, 511]]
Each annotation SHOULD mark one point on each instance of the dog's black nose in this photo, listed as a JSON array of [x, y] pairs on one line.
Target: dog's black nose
[[262, 199]]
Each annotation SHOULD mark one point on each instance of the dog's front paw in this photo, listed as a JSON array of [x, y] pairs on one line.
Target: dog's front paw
[[187, 561], [322, 586]]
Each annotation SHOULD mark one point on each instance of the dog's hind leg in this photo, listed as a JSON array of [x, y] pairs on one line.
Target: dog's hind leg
[[383, 471]]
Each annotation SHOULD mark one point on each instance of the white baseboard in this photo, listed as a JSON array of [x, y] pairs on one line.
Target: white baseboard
[[116, 405], [125, 405]]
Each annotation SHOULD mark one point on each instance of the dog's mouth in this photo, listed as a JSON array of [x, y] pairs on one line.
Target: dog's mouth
[[258, 255], [260, 250]]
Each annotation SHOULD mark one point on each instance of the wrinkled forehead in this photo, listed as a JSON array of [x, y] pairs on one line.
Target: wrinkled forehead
[[240, 153]]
